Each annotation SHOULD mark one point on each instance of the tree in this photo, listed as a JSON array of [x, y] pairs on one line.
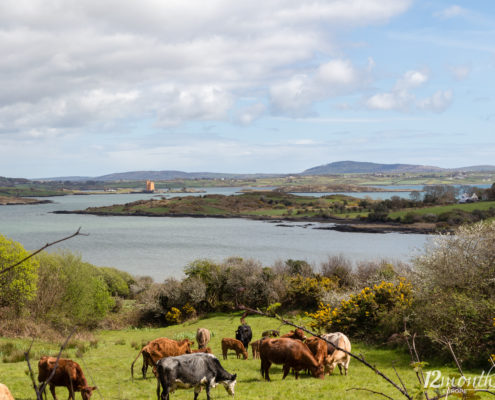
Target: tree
[[17, 285]]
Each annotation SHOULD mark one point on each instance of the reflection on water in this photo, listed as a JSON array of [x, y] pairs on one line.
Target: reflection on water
[[161, 246]]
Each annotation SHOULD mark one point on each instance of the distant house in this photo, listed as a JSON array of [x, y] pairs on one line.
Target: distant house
[[150, 186], [465, 198]]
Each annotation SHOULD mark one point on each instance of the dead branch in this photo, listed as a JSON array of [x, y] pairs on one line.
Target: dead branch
[[372, 391], [40, 390], [359, 358], [77, 233]]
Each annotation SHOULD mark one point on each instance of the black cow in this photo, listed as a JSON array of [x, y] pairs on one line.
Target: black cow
[[192, 370], [244, 334]]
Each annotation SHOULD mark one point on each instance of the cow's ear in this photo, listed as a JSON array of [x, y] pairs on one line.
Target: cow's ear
[[234, 377], [93, 388]]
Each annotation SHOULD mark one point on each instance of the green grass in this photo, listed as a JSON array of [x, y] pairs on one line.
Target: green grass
[[108, 366], [482, 205]]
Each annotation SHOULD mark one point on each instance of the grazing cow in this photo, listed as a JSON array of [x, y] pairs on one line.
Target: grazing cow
[[337, 357], [192, 370], [233, 344], [271, 333], [297, 334], [318, 347], [159, 348], [68, 374], [5, 393], [244, 334], [291, 353], [202, 337], [255, 347], [203, 350]]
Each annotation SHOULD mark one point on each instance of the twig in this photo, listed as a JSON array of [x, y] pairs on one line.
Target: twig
[[41, 249], [398, 377], [372, 391], [360, 359]]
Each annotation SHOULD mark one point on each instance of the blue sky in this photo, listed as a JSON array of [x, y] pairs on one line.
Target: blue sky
[[89, 88]]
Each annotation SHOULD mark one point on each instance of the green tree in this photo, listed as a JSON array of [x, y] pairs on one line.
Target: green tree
[[17, 285]]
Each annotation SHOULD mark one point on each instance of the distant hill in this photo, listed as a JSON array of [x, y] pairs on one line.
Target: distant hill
[[355, 167], [476, 168]]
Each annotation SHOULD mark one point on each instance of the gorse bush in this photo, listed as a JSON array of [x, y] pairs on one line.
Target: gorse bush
[[373, 312]]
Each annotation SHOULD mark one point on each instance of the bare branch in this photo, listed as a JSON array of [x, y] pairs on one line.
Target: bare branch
[[77, 233], [372, 391], [359, 358]]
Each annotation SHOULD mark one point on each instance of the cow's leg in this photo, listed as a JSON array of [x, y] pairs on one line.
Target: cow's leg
[[165, 389], [265, 366], [340, 368], [197, 390], [286, 370], [144, 368], [207, 392], [52, 390]]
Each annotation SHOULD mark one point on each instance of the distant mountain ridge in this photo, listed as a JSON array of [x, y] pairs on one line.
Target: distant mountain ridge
[[338, 167], [356, 167]]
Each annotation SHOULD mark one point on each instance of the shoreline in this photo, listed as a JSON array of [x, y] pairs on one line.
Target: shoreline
[[341, 225]]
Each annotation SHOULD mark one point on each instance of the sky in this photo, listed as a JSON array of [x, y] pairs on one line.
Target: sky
[[94, 87]]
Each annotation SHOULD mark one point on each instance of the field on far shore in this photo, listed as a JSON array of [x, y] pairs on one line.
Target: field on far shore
[[107, 365]]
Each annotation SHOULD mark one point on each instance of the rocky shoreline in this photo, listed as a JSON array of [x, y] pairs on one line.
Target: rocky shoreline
[[340, 225]]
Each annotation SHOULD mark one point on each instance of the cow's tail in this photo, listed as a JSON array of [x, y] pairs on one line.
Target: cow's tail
[[132, 365]]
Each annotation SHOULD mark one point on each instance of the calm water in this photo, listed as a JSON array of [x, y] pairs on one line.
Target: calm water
[[161, 247]]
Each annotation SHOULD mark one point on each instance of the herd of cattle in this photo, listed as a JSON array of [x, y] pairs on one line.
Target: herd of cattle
[[176, 365]]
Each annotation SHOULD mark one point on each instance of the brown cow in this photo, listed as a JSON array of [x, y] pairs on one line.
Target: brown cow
[[202, 337], [318, 347], [255, 347], [337, 357], [159, 348], [297, 334], [271, 333], [291, 353], [68, 374], [202, 350], [5, 393], [233, 344]]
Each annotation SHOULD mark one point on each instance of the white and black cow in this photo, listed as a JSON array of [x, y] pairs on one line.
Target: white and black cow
[[195, 370], [244, 334]]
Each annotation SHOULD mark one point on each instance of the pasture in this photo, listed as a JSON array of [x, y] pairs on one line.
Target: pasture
[[107, 360]]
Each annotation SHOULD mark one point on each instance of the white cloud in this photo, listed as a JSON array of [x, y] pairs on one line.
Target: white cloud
[[438, 102], [460, 72], [451, 12], [400, 98], [64, 61], [248, 114], [330, 79]]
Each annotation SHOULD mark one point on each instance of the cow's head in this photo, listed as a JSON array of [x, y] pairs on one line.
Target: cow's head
[[230, 384], [319, 372], [87, 391]]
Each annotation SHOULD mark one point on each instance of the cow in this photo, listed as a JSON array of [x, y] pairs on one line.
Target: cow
[[337, 357], [68, 374], [159, 348], [233, 344], [296, 334], [255, 347], [244, 334], [291, 353], [192, 370], [5, 393], [318, 347], [203, 350], [202, 337], [271, 333]]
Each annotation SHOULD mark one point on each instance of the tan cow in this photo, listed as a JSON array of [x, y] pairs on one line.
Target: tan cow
[[203, 337], [68, 374], [233, 344], [255, 347], [5, 393], [337, 357], [159, 348]]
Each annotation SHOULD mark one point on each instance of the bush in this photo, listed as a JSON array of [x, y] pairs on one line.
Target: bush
[[173, 316], [372, 313], [306, 293], [18, 285], [455, 293]]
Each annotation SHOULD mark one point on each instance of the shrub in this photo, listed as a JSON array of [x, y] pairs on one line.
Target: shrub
[[455, 296], [339, 268], [368, 313], [173, 316], [305, 293], [118, 282], [18, 285]]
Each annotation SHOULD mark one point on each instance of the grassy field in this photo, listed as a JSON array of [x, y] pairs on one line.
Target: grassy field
[[107, 365], [437, 210]]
